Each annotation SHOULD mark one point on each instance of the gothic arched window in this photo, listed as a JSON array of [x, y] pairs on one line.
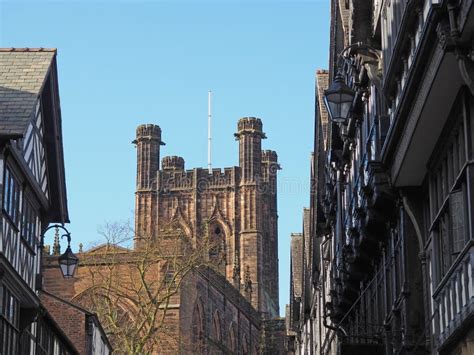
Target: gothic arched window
[[216, 327], [217, 248], [198, 334], [245, 345], [232, 341]]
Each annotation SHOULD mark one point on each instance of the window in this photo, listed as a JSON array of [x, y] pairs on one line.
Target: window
[[169, 276], [216, 250], [29, 223], [198, 328], [456, 208], [450, 230], [232, 340], [216, 327], [44, 339], [9, 322], [245, 345], [444, 244], [447, 194], [11, 196]]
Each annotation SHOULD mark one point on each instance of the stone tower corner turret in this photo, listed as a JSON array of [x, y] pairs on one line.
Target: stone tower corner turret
[[172, 163], [270, 165], [148, 142], [250, 135]]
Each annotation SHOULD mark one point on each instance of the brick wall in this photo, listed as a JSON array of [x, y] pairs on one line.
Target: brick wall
[[53, 280], [70, 319]]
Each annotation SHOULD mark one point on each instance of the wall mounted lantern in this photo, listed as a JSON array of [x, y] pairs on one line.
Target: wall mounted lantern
[[67, 261], [338, 99]]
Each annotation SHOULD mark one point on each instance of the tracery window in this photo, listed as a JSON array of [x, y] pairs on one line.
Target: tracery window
[[217, 252]]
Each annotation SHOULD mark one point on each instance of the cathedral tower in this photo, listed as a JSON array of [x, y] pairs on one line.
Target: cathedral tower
[[256, 234], [236, 204]]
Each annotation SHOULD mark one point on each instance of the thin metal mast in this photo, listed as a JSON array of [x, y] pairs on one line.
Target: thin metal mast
[[209, 138]]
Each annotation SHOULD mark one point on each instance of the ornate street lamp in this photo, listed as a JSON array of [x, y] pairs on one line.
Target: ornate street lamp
[[338, 99], [67, 261]]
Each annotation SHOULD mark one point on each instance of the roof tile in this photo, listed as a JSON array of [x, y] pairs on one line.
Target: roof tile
[[22, 74]]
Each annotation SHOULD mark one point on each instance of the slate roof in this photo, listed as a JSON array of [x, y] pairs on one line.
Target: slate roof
[[22, 74], [322, 83], [297, 263]]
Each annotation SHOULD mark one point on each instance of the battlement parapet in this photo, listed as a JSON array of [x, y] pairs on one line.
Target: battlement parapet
[[172, 163], [172, 179], [270, 164], [148, 132], [250, 125], [201, 179], [221, 178], [269, 156]]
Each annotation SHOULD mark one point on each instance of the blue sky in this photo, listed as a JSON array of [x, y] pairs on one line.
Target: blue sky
[[123, 63]]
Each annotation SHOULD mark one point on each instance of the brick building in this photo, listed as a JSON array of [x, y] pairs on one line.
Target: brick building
[[83, 328], [231, 307]]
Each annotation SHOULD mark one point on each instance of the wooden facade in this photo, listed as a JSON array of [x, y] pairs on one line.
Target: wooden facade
[[393, 204]]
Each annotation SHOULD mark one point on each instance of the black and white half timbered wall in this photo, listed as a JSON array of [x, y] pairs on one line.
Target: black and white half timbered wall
[[32, 195], [397, 232]]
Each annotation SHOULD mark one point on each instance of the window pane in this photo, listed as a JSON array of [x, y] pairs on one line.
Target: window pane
[[6, 191], [445, 251], [456, 208], [29, 218], [11, 198]]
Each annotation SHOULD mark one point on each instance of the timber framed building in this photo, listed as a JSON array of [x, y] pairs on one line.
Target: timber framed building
[[392, 221], [32, 195]]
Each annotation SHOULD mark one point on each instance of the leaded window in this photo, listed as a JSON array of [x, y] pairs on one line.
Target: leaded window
[[29, 223], [457, 217], [9, 322], [11, 196], [447, 187]]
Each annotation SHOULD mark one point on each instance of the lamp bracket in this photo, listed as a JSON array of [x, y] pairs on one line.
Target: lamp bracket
[[370, 59], [58, 226]]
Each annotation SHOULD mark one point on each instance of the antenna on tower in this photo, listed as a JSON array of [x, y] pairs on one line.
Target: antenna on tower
[[209, 139]]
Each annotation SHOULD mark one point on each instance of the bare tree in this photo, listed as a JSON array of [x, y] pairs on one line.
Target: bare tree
[[134, 290]]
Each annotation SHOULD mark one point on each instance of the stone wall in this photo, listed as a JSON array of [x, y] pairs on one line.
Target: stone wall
[[241, 202]]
